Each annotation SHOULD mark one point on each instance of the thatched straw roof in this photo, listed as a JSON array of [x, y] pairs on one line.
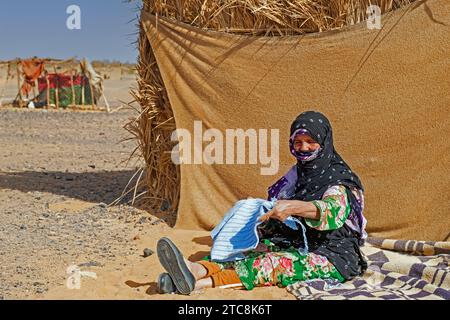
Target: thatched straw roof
[[155, 123]]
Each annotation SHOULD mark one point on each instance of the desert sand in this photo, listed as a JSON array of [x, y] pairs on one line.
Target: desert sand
[[133, 277]]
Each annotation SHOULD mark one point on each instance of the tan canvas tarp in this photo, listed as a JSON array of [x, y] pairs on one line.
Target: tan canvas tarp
[[385, 92]]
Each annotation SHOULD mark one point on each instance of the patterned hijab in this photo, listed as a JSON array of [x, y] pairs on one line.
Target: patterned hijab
[[319, 171]]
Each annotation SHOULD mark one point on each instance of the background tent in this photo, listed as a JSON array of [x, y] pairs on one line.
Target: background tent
[[57, 83], [67, 90], [385, 92]]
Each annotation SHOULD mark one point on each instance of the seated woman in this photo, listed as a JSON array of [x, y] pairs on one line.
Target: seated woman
[[327, 196]]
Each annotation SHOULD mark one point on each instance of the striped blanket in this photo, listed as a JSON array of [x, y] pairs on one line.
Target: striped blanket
[[237, 232], [398, 269]]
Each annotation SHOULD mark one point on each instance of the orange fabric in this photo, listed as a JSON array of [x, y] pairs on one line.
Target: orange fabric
[[225, 277], [211, 267], [219, 277], [32, 69]]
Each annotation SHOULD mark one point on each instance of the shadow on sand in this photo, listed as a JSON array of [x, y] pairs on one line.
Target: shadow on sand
[[104, 186]]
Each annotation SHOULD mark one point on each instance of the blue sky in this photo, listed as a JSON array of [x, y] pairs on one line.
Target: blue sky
[[38, 28]]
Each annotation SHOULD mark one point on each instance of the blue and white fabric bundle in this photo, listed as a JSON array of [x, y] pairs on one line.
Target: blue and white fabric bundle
[[237, 232]]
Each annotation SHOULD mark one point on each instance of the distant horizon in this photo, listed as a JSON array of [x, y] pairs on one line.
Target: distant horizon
[[105, 61], [31, 28]]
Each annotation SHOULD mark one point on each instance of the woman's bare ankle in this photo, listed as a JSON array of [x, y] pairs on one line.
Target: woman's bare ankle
[[203, 283], [198, 270]]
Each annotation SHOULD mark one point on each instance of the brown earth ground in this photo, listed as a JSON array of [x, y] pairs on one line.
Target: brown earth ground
[[58, 172]]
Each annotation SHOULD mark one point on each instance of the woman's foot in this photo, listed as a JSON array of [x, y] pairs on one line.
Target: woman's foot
[[165, 284], [173, 261]]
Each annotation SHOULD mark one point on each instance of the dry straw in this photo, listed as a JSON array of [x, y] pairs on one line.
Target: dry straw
[[153, 126]]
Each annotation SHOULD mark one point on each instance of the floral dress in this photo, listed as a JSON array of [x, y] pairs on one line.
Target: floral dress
[[277, 261]]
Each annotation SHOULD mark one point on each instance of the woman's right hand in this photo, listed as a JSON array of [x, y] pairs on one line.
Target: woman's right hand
[[286, 208], [281, 211]]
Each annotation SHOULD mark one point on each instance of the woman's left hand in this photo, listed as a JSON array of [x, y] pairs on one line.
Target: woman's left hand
[[282, 210]]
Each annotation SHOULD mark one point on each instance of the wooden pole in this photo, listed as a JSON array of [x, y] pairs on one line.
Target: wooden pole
[[18, 83], [82, 92], [56, 88], [35, 88], [73, 89], [48, 90], [91, 88], [106, 101]]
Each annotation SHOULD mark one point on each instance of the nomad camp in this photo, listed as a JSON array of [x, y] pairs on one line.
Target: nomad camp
[[51, 83]]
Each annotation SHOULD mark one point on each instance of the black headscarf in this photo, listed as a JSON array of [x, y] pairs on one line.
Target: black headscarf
[[328, 168]]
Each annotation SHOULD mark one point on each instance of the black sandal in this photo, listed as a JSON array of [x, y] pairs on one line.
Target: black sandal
[[172, 260]]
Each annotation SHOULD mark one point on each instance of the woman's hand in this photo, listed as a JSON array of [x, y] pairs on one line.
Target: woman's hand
[[286, 208], [282, 210]]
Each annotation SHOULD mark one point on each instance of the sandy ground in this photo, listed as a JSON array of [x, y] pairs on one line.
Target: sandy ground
[[133, 277], [58, 172]]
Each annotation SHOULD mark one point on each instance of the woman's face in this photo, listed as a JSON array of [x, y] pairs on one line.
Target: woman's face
[[305, 143]]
